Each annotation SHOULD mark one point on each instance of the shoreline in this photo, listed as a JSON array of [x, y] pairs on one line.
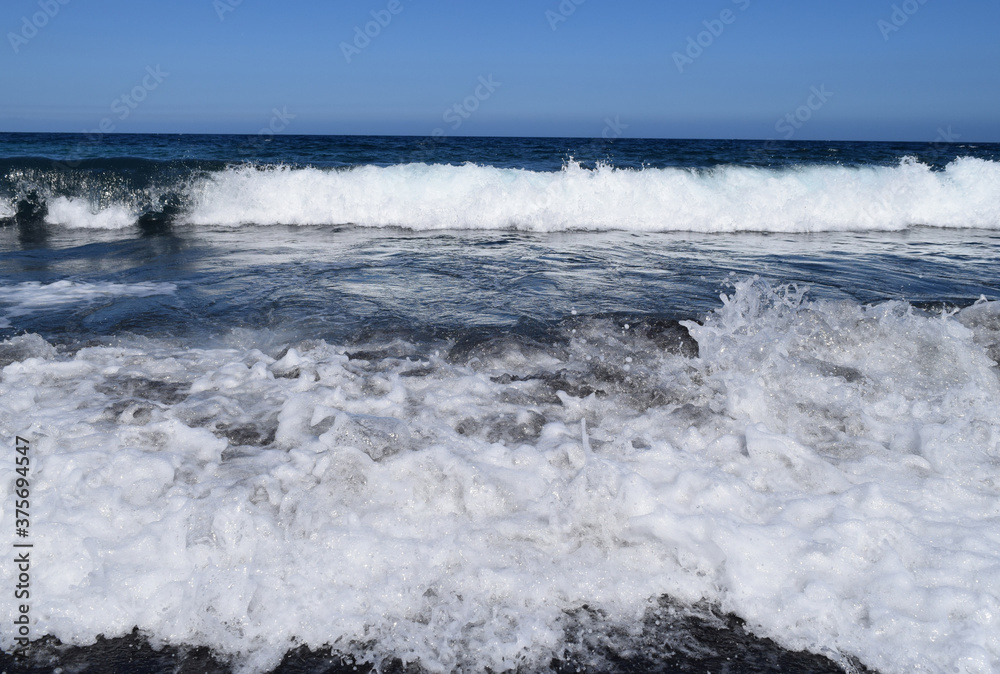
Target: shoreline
[[710, 642]]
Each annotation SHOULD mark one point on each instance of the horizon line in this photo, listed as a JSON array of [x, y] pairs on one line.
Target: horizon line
[[469, 137]]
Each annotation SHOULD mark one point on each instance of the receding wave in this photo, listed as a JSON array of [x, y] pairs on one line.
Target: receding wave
[[966, 194], [31, 297], [480, 507]]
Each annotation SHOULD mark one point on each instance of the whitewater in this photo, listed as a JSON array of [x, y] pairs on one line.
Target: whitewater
[[426, 197], [452, 505]]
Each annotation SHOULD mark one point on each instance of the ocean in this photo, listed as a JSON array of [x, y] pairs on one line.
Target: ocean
[[318, 403]]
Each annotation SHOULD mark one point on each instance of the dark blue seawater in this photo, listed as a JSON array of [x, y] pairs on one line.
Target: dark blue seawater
[[537, 154], [508, 403], [331, 279]]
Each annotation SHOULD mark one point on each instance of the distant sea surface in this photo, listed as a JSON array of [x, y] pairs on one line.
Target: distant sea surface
[[297, 403]]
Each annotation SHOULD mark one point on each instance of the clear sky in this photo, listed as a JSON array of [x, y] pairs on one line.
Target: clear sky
[[802, 69]]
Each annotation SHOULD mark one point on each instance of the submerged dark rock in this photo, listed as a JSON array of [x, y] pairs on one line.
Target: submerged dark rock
[[246, 434], [668, 335], [671, 638], [23, 347], [166, 392]]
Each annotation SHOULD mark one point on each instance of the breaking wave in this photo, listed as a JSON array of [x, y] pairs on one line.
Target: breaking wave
[[965, 194]]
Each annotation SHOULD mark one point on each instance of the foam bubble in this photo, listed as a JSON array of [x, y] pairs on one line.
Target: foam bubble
[[828, 471], [433, 197], [78, 213], [32, 296], [724, 199]]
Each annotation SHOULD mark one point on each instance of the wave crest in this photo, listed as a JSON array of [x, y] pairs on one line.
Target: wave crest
[[966, 194]]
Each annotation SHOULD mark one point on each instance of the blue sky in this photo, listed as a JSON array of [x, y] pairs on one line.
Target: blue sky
[[809, 69]]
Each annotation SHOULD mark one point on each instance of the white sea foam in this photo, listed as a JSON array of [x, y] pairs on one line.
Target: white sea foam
[[81, 214], [33, 296], [6, 209], [725, 199], [828, 471]]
